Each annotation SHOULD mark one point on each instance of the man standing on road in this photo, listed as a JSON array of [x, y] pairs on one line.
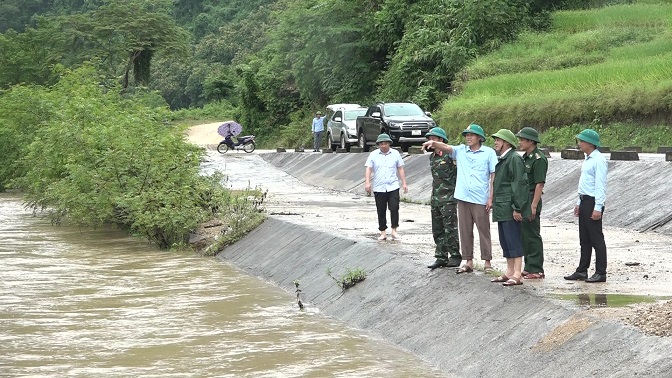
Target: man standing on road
[[510, 199], [318, 128], [387, 168], [443, 205], [473, 192], [590, 207], [536, 166]]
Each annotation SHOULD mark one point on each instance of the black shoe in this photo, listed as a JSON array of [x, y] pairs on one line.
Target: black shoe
[[597, 278], [437, 264], [577, 276], [454, 262]]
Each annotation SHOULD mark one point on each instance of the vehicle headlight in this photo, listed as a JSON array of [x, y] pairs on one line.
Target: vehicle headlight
[[395, 124]]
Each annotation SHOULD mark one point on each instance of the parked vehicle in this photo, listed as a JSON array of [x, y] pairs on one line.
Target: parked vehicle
[[342, 127], [245, 143], [405, 123]]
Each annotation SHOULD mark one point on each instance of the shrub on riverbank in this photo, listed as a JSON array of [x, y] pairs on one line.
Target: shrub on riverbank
[[100, 157]]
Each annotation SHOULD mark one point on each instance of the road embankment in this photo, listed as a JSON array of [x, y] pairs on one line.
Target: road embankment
[[637, 191]]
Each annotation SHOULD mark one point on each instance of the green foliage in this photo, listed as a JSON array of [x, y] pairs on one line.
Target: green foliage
[[351, 278], [436, 45], [23, 112], [211, 112], [100, 158], [615, 135], [611, 65], [241, 213]]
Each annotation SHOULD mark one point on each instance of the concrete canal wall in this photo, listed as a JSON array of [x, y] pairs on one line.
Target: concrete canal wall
[[462, 324], [637, 191]]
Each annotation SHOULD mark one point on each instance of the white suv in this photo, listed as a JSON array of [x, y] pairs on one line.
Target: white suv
[[342, 128]]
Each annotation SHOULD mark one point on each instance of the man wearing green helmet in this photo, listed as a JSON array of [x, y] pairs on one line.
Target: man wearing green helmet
[[387, 168], [473, 192], [536, 166], [509, 200], [443, 205], [589, 208]]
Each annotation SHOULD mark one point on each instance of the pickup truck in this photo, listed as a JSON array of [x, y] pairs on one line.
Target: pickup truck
[[405, 123]]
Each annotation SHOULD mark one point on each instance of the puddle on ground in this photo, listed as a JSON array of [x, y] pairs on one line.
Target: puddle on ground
[[607, 300]]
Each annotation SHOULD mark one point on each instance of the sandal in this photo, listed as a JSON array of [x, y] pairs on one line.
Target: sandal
[[382, 237], [513, 282], [464, 269], [488, 269], [501, 278], [534, 276]]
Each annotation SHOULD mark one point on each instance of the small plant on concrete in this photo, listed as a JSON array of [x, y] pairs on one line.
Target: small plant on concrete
[[350, 278], [298, 295]]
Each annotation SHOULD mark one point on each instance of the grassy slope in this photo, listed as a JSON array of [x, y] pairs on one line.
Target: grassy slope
[[609, 68]]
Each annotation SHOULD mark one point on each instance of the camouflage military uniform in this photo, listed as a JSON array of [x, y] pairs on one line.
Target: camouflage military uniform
[[444, 208]]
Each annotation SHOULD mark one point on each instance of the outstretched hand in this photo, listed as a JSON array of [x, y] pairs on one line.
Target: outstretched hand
[[428, 144]]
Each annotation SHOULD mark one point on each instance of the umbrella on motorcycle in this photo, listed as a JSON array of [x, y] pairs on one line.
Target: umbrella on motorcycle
[[229, 128]]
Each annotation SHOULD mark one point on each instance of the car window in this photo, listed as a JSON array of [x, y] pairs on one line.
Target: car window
[[338, 114], [403, 110], [351, 115]]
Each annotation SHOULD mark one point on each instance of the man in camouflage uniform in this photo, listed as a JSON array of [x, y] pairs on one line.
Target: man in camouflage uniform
[[443, 205], [536, 166]]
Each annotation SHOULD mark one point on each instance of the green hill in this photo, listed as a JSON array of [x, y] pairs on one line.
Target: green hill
[[608, 68]]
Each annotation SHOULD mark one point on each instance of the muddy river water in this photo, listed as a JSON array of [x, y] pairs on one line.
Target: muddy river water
[[99, 303]]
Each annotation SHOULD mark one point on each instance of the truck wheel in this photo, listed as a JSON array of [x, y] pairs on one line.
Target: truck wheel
[[344, 144], [362, 142], [405, 146], [330, 141]]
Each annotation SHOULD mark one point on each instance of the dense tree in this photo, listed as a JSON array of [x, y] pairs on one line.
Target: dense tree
[[97, 157]]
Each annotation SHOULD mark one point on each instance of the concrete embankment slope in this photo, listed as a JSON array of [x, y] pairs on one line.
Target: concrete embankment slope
[[462, 324], [637, 191]]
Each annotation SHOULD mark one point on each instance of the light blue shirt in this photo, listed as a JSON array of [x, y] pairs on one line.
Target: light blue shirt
[[593, 181], [318, 124], [384, 169], [473, 173]]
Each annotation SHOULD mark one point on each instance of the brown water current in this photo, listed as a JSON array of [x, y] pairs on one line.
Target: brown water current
[[98, 303]]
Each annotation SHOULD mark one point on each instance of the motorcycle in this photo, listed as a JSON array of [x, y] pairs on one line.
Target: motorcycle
[[245, 143]]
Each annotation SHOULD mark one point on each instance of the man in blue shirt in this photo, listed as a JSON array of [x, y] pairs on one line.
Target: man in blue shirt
[[589, 208], [473, 192], [387, 167], [317, 128]]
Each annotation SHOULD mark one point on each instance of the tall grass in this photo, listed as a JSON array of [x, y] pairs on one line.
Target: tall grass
[[594, 67]]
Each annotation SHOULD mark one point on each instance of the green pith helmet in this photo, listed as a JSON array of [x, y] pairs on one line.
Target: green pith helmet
[[437, 132], [507, 136], [589, 136], [475, 129], [383, 138], [529, 134]]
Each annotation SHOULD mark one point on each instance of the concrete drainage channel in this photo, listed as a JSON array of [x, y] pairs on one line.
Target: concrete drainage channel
[[463, 324]]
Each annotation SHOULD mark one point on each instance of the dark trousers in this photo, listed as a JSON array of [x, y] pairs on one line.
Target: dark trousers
[[444, 230], [591, 236], [317, 140], [510, 239], [384, 201]]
